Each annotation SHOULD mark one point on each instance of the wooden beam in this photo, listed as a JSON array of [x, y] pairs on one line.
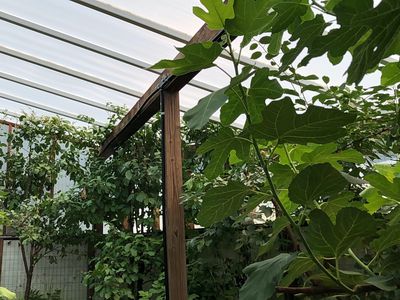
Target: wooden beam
[[149, 104], [174, 230]]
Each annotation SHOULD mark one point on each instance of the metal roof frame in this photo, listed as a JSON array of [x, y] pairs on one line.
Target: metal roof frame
[[44, 107], [155, 27], [116, 13], [68, 71], [91, 47], [54, 91]]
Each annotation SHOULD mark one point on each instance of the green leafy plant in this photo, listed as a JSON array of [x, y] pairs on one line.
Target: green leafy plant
[[316, 145], [45, 221], [7, 294], [125, 265]]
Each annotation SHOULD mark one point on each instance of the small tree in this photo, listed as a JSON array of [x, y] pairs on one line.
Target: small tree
[[45, 220], [44, 225]]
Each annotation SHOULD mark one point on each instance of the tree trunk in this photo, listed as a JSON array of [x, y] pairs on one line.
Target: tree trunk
[[28, 285], [29, 266]]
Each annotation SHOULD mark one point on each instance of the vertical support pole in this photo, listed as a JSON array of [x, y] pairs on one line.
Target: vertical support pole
[[173, 210], [98, 228], [4, 230]]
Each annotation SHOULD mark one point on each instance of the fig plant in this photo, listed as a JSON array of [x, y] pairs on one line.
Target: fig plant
[[321, 147]]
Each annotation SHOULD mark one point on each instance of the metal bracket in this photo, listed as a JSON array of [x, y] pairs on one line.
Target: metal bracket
[[163, 82]]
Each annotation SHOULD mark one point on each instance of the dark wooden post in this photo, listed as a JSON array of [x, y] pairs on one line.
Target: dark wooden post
[[173, 210]]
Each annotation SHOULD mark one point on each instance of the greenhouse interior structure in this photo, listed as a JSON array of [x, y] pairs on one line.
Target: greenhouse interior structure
[[199, 149]]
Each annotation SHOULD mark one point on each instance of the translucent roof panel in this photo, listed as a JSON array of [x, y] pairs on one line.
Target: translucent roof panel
[[96, 27], [175, 14], [49, 59], [71, 57]]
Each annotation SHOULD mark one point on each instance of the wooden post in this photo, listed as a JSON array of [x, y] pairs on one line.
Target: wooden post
[[173, 210]]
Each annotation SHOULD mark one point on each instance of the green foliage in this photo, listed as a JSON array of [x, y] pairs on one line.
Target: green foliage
[[306, 34], [316, 125], [263, 277], [331, 240], [199, 115], [261, 88], [218, 13], [221, 147], [221, 202], [385, 187], [45, 220], [307, 153], [250, 18], [314, 147], [217, 256], [125, 262], [7, 294], [196, 57], [390, 74], [315, 182], [365, 30], [328, 153]]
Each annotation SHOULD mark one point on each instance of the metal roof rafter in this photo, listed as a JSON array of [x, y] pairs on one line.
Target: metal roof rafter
[[44, 107], [54, 91], [155, 27], [68, 71], [91, 47]]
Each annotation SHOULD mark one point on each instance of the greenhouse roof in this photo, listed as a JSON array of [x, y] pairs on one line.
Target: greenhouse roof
[[73, 57]]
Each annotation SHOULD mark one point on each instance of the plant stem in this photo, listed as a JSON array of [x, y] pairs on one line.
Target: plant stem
[[359, 262], [290, 159], [293, 223], [277, 201], [373, 259]]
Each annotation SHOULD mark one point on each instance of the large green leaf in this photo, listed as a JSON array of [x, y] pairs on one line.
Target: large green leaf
[[196, 57], [375, 199], [390, 74], [387, 238], [385, 283], [332, 240], [221, 145], [275, 44], [386, 188], [305, 33], [288, 12], [7, 294], [328, 153], [199, 115], [261, 89], [221, 202], [368, 31], [277, 227], [251, 18], [314, 182], [317, 125], [333, 206], [282, 175], [234, 107], [263, 277], [218, 12], [389, 171], [297, 268]]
